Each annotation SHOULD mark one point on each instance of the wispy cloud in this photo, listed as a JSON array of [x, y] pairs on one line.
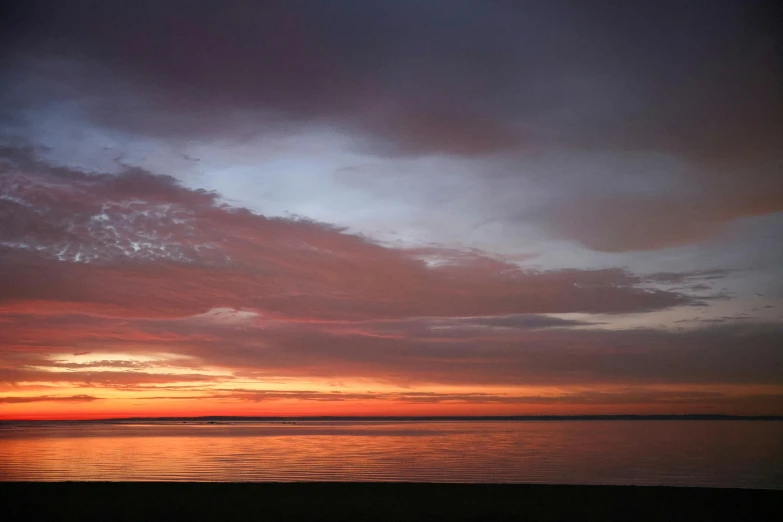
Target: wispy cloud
[[48, 398]]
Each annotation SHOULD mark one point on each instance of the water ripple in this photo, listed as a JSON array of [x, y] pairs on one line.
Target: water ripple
[[692, 453]]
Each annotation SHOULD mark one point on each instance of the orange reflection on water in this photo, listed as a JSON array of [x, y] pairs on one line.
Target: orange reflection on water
[[691, 453]]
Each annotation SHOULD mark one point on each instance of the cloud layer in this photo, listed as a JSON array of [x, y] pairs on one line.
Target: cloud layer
[[139, 244], [515, 205], [627, 91], [121, 282]]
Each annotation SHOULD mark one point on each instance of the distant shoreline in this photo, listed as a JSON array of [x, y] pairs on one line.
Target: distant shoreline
[[379, 502], [220, 418]]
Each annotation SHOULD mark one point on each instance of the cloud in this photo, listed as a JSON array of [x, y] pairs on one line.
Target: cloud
[[140, 245], [518, 124], [107, 363], [476, 79], [48, 398], [639, 222], [630, 396], [718, 355], [219, 287], [98, 378], [526, 321], [470, 77], [690, 277], [413, 352], [295, 298]]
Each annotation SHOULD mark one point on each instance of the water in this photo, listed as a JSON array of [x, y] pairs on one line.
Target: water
[[674, 453]]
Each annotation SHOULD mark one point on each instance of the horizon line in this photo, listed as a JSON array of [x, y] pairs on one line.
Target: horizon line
[[685, 416]]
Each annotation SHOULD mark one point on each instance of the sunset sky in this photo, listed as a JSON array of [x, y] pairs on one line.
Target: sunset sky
[[390, 207]]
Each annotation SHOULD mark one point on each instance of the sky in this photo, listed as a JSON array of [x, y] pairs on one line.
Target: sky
[[429, 207]]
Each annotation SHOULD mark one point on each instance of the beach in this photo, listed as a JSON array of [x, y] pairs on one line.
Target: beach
[[126, 501]]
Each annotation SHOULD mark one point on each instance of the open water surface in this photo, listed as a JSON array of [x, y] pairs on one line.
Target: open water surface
[[739, 454]]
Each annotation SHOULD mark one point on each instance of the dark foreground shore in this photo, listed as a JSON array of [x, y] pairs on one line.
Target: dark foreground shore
[[378, 502]]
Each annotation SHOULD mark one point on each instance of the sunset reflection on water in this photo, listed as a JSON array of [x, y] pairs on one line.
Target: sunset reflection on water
[[692, 453]]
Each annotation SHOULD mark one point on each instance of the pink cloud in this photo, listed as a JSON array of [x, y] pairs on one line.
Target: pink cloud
[[138, 245], [131, 262]]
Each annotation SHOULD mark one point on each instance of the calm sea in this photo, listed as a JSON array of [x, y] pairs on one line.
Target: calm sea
[[741, 454]]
